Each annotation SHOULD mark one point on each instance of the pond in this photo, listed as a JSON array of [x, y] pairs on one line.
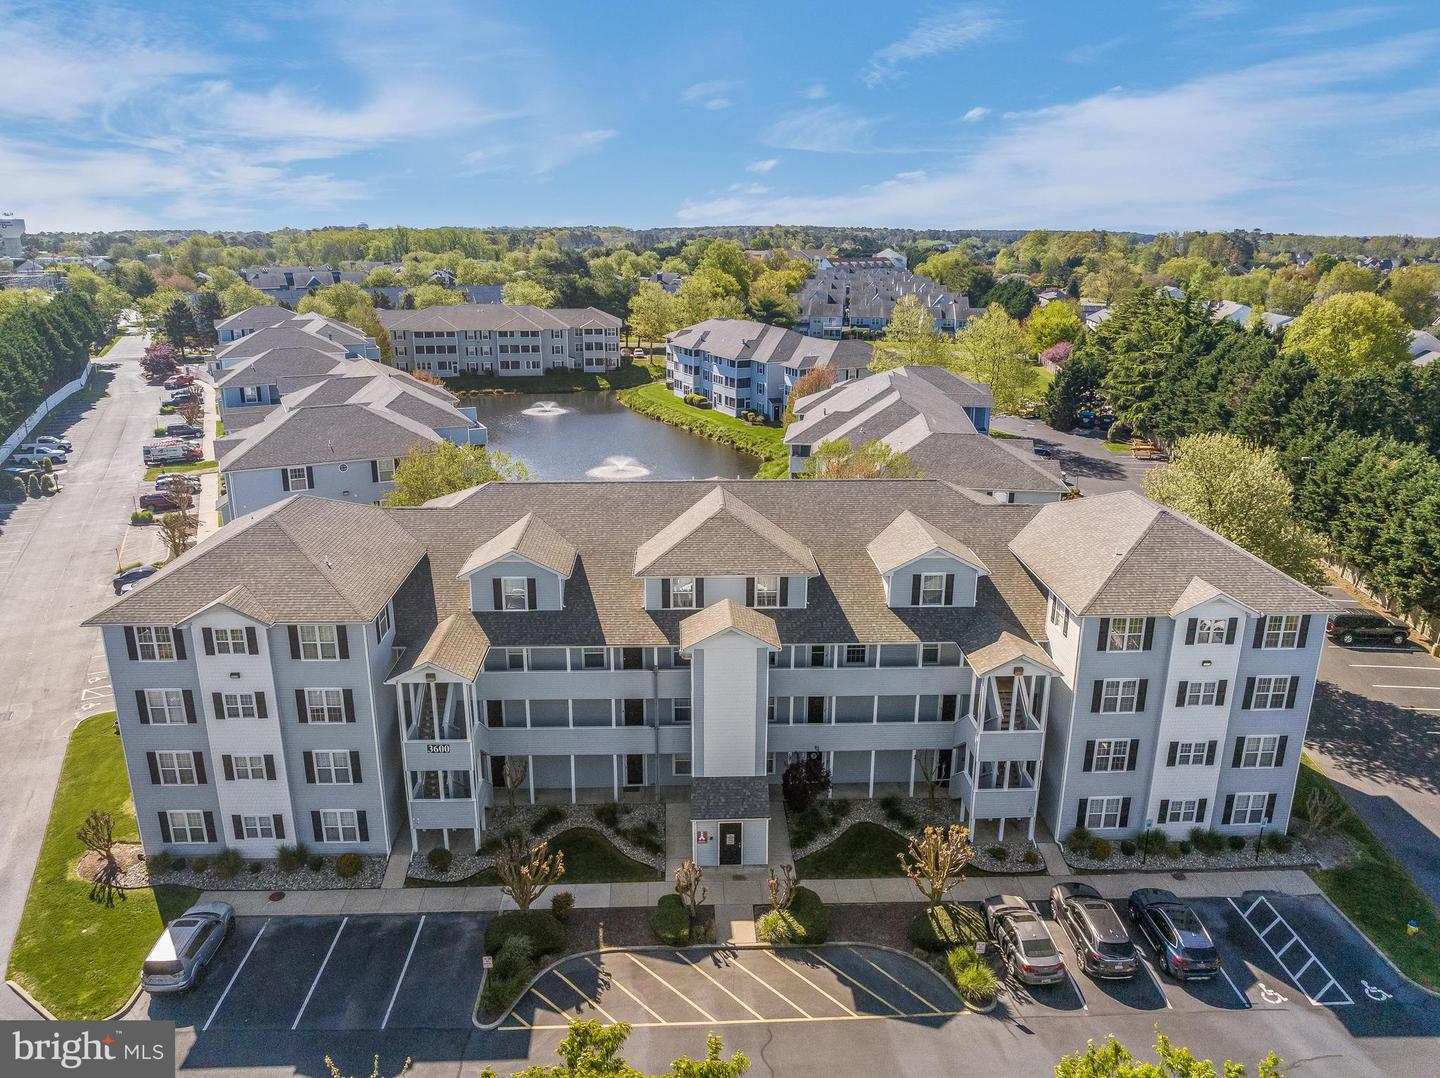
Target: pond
[[594, 436]]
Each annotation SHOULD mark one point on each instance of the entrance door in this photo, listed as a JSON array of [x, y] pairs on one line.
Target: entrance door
[[730, 852], [497, 772], [815, 709], [632, 658], [635, 769], [943, 758]]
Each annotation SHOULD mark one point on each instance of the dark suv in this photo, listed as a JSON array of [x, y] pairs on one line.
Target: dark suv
[[1099, 936], [1372, 628]]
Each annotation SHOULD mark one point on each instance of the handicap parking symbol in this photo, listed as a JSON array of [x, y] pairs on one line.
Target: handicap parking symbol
[[1269, 995], [1378, 994]]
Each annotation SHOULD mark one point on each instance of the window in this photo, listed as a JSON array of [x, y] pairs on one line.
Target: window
[[682, 713], [383, 623], [1119, 695], [514, 593], [1126, 634], [239, 705], [1270, 693], [1181, 812], [319, 642], [187, 826], [1249, 809], [1281, 631], [767, 591], [929, 654], [325, 705], [299, 478], [680, 764], [1191, 753], [332, 768], [230, 642], [514, 658], [1060, 616], [1111, 755], [257, 827], [339, 825], [154, 643], [385, 466], [854, 654], [248, 767], [932, 589], [1211, 630], [1201, 693], [1259, 751], [592, 658], [682, 593], [679, 658], [1102, 813], [166, 707], [176, 768], [249, 394]]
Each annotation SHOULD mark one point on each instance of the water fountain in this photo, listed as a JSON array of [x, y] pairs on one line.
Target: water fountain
[[619, 468], [545, 409]]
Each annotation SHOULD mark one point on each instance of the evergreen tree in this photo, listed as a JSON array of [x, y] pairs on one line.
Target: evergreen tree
[[178, 324]]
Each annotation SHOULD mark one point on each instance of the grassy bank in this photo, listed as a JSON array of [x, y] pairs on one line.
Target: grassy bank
[[151, 474], [77, 953], [555, 381], [590, 857], [1377, 893], [656, 401]]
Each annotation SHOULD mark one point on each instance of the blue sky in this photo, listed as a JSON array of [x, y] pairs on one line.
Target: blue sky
[[1227, 113]]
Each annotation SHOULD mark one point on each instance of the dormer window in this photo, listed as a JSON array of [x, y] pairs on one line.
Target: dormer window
[[1211, 630], [682, 593], [932, 589], [514, 593], [767, 591]]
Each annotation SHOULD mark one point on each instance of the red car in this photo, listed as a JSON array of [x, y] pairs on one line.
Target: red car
[[175, 381], [159, 500]]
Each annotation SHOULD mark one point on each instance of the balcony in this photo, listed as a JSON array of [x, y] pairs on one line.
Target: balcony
[[860, 736], [447, 753], [1005, 709], [567, 740], [583, 684], [868, 681], [454, 812]]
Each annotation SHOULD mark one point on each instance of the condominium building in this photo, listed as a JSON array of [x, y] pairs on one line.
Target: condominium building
[[12, 237], [857, 297], [258, 329], [497, 338], [335, 672]]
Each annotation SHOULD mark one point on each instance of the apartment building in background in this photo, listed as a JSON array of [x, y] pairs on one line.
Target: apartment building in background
[[12, 237], [501, 339], [335, 672], [856, 297]]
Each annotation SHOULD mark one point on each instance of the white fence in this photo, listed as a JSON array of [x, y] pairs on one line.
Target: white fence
[[46, 407]]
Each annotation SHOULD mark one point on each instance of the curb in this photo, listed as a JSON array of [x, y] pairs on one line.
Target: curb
[[1379, 950], [40, 1009], [488, 1026]]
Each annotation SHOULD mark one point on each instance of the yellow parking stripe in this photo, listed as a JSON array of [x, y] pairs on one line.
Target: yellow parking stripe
[[549, 1003], [621, 985], [858, 984], [708, 1016], [764, 1021], [696, 966], [593, 1002], [812, 984], [886, 973], [735, 961]]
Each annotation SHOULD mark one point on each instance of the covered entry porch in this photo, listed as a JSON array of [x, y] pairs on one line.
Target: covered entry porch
[[730, 821]]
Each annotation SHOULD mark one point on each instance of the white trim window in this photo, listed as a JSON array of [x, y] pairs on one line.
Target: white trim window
[[515, 658], [325, 705], [514, 593], [1249, 809], [384, 622], [1201, 693], [249, 394], [1260, 750], [1113, 755], [1281, 631], [186, 827], [1103, 813], [176, 768], [682, 593], [230, 642], [332, 767], [239, 705], [767, 591], [1182, 812], [1126, 634], [257, 826], [680, 765], [248, 767], [319, 642], [1119, 696], [682, 711], [592, 658], [1211, 630], [385, 466], [165, 707], [855, 654], [1271, 692], [299, 478], [929, 654], [1060, 615], [154, 643], [1191, 753], [339, 825], [932, 589]]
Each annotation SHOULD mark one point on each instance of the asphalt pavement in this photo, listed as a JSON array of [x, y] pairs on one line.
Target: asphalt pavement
[[1081, 454]]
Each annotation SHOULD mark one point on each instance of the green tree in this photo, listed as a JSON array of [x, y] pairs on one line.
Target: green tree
[[1350, 333], [527, 292], [872, 460], [654, 312], [1412, 289], [1075, 388], [432, 471], [432, 295], [1015, 296], [384, 277], [1111, 1059], [698, 300], [178, 324], [1345, 277], [241, 297], [1291, 290], [958, 272], [1055, 322], [1237, 489], [208, 310], [591, 1049], [911, 337], [1143, 341], [770, 300], [1113, 280], [993, 349]]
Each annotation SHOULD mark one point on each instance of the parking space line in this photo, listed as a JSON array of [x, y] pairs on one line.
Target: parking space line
[[708, 1016], [543, 998], [777, 993], [1315, 1000], [401, 979], [1391, 666], [852, 980], [1244, 999], [1251, 910], [1431, 688], [1155, 980], [754, 1021], [319, 973], [235, 976], [696, 966], [586, 996], [600, 969], [811, 983], [885, 973]]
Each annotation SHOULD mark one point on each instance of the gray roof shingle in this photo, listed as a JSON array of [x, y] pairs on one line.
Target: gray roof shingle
[[739, 797]]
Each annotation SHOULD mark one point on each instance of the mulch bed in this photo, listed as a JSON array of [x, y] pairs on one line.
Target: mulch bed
[[625, 926], [129, 871], [882, 923]]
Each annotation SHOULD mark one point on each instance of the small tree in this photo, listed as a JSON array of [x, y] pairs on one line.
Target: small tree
[[815, 380], [515, 772], [443, 468], [1111, 1059], [178, 324], [927, 762], [162, 359], [936, 860], [591, 1049], [192, 410], [805, 778], [526, 871], [782, 887], [97, 834], [691, 889], [336, 1072], [175, 531]]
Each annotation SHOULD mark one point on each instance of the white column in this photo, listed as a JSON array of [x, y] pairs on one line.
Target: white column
[[530, 774], [872, 774], [912, 770], [615, 775], [572, 778], [1001, 837], [875, 710]]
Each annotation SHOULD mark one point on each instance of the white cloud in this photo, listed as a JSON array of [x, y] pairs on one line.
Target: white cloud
[[979, 112], [708, 95], [1329, 22], [538, 154], [828, 129], [762, 166], [943, 32], [814, 92], [1092, 51], [748, 188]]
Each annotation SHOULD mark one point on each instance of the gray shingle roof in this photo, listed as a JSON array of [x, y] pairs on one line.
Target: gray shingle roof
[[908, 537], [737, 338], [458, 645], [740, 797], [722, 536], [531, 538], [253, 318], [723, 616], [491, 316], [331, 433]]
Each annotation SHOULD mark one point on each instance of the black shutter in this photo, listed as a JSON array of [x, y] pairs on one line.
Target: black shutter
[[207, 637], [1125, 812], [143, 706], [269, 767], [199, 761], [1084, 803], [1180, 691], [499, 599], [1220, 693], [355, 766], [364, 825], [164, 826], [374, 471], [294, 641], [1133, 756], [1200, 810], [784, 591], [131, 650], [664, 593], [252, 643], [154, 765], [1291, 691], [1270, 808], [309, 478], [179, 638], [1173, 754], [309, 767], [749, 591], [301, 711], [1149, 634], [1228, 810], [700, 591], [1089, 756], [219, 702], [1140, 694], [1190, 630], [1280, 750], [189, 697], [949, 589], [238, 826], [1260, 631], [1304, 631], [279, 825], [1099, 687], [342, 638], [316, 828], [209, 827], [261, 711], [285, 479], [1163, 812], [1238, 755], [1103, 643], [1249, 696], [1210, 749], [349, 697], [530, 589], [914, 590], [1230, 627], [227, 765]]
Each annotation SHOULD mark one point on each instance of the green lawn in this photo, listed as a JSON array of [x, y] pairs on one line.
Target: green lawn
[[656, 401], [151, 474], [866, 850], [1377, 893], [78, 956], [590, 857]]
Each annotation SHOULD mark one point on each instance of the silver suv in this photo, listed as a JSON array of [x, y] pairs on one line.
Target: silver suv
[[186, 946]]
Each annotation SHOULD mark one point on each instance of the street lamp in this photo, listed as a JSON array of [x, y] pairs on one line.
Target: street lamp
[[1144, 843], [1260, 838]]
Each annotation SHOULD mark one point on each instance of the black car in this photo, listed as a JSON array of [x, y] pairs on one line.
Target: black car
[[1096, 930], [183, 430], [132, 576], [1182, 946], [1354, 628]]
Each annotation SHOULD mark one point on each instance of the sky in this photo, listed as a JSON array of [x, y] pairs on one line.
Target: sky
[[1315, 117]]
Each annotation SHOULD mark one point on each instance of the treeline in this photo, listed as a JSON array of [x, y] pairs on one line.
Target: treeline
[[42, 348], [1361, 450]]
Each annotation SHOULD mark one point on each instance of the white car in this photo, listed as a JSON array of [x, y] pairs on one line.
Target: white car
[[59, 443], [185, 947], [36, 454]]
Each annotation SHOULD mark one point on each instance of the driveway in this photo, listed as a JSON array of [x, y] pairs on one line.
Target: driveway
[[56, 559], [1082, 454]]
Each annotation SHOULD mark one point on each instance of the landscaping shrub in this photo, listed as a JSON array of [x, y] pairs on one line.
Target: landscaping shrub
[[179, 863], [671, 921], [545, 819], [160, 861], [348, 865], [1031, 856], [1128, 847], [806, 922], [1078, 840], [1100, 849], [316, 863], [292, 858], [972, 977], [228, 863], [546, 935], [140, 516], [561, 903], [998, 853], [1279, 841], [897, 814], [609, 814], [1207, 842], [1186, 847], [513, 968], [255, 868], [938, 928], [1172, 851], [1236, 842], [439, 859], [1154, 840], [200, 864]]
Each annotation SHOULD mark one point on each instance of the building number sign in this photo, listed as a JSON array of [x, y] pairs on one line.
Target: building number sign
[[437, 749]]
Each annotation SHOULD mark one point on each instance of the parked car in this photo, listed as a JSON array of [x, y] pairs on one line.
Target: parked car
[[54, 452], [1043, 451], [1104, 421], [1085, 419], [175, 381], [171, 451], [58, 443], [159, 499], [1023, 940], [130, 577], [1353, 628], [1182, 946], [19, 471], [186, 946], [178, 481], [183, 430], [184, 393], [1096, 930], [34, 454]]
